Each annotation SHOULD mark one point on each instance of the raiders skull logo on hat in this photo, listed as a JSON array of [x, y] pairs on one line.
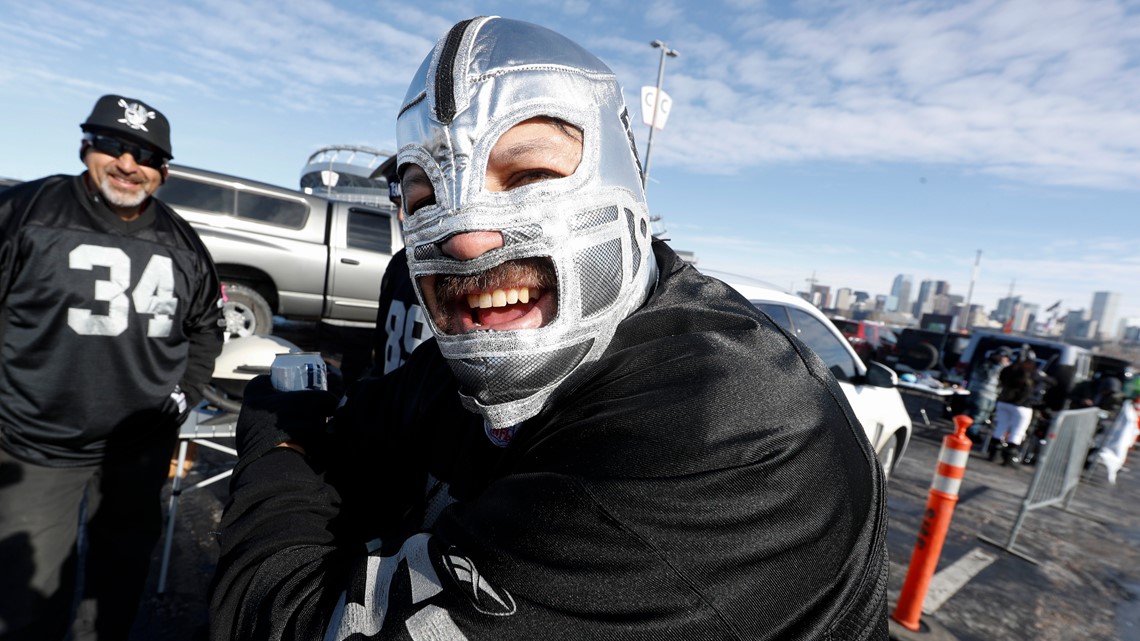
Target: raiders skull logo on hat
[[131, 119]]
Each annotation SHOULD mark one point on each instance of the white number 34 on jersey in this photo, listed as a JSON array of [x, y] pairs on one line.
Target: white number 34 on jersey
[[153, 295]]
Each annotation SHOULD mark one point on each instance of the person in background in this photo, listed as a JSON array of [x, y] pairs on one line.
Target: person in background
[[1109, 398], [983, 388], [110, 321], [1013, 413], [657, 459], [401, 325]]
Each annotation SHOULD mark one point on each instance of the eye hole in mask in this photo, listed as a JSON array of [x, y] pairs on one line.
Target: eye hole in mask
[[416, 188]]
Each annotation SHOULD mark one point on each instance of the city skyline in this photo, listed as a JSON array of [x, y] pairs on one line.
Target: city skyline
[[1100, 309]]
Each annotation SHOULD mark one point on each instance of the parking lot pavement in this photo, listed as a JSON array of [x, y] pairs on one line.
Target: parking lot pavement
[[1084, 586], [1086, 579]]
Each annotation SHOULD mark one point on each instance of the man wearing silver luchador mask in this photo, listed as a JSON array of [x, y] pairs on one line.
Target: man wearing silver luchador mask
[[657, 459], [568, 238]]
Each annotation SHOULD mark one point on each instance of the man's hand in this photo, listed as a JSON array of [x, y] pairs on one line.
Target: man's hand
[[180, 405], [270, 417], [179, 398]]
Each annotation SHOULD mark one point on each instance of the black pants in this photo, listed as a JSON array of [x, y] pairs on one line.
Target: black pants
[[39, 527]]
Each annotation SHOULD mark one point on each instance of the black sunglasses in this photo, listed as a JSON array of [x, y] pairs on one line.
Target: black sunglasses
[[117, 147]]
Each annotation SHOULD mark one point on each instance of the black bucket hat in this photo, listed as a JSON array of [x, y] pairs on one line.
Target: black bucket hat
[[132, 119]]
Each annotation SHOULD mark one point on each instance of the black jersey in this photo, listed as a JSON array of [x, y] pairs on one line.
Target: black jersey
[[707, 480], [401, 324], [100, 320]]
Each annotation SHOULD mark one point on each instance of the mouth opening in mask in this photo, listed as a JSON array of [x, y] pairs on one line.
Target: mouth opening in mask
[[518, 294]]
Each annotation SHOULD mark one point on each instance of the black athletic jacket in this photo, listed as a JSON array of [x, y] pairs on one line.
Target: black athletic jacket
[[100, 319], [708, 481]]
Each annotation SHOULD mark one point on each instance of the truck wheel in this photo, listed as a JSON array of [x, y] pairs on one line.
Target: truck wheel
[[245, 311], [922, 357]]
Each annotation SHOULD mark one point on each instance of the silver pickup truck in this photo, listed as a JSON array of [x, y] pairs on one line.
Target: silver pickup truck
[[281, 252]]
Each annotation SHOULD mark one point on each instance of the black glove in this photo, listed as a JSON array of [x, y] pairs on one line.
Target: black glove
[[269, 417]]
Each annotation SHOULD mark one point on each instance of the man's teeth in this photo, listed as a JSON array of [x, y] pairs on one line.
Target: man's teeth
[[501, 297]]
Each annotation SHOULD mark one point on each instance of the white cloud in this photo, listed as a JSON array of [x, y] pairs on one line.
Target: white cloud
[[1045, 93], [1034, 93]]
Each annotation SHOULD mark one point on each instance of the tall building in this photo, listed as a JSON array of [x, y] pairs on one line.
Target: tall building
[[1076, 325], [900, 291], [924, 304], [821, 296], [944, 303], [1006, 308], [975, 317], [843, 299], [1026, 315], [1104, 313], [1131, 330]]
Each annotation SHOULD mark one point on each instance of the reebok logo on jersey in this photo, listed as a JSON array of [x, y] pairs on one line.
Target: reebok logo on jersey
[[482, 595]]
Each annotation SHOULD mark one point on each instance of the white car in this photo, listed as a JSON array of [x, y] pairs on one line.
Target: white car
[[870, 389]]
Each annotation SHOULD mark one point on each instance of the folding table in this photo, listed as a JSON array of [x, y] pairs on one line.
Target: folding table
[[202, 426]]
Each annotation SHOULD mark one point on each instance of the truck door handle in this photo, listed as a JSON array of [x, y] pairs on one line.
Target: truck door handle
[[350, 261]]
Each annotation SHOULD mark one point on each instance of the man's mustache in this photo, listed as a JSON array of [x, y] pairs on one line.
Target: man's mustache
[[525, 272]]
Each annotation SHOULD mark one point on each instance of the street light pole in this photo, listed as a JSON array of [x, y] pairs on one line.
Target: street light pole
[[967, 318], [672, 53]]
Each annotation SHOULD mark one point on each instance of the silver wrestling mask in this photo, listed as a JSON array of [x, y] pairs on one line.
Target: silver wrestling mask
[[484, 77]]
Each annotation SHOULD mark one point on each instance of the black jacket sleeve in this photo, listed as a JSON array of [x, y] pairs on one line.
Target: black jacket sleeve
[[205, 334], [280, 572], [14, 204], [295, 529], [203, 321]]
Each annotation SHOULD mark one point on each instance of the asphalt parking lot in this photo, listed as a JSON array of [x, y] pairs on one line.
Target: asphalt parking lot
[[1084, 583]]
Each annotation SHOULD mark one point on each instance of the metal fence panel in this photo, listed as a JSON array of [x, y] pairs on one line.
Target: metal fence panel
[[1058, 468]]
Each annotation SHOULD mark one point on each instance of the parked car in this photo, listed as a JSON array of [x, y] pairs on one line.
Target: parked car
[[283, 252], [872, 341], [870, 387], [1104, 365]]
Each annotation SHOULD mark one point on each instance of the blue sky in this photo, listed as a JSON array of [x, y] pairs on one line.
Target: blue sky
[[852, 140]]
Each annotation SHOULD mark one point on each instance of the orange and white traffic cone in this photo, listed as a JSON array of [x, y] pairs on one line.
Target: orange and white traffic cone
[[935, 522]]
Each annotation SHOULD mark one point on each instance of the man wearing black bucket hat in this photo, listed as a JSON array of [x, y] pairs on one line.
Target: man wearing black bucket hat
[[109, 326]]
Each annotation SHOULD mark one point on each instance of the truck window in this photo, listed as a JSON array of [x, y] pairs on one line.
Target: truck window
[[275, 211], [369, 231], [179, 192]]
